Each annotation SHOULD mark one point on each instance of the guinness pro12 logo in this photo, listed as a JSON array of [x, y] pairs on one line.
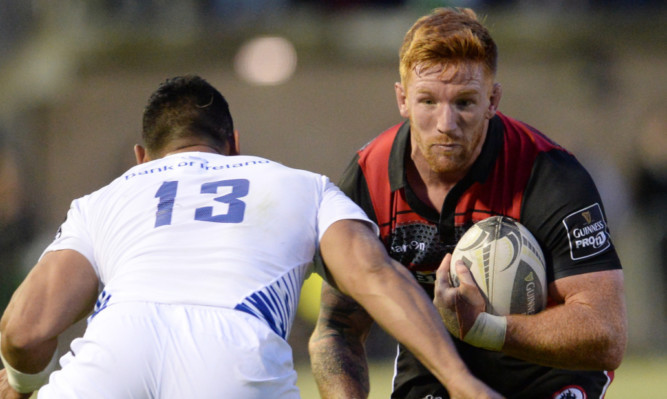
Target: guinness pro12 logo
[[587, 232]]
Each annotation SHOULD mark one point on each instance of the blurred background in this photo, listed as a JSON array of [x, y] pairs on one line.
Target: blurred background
[[309, 82]]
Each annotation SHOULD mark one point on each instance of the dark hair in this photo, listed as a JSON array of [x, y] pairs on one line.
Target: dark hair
[[183, 107]]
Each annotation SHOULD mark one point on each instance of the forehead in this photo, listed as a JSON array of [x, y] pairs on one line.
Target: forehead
[[470, 75]]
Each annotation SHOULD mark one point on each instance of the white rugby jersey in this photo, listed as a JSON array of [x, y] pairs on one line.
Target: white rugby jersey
[[206, 229]]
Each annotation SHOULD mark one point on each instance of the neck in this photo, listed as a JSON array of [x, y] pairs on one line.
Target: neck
[[200, 147], [429, 187]]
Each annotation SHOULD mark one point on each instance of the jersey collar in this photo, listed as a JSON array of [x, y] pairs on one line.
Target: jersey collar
[[478, 172]]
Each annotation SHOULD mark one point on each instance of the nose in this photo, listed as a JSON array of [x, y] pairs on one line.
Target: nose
[[446, 119]]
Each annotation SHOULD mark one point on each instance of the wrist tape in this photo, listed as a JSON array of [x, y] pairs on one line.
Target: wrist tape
[[27, 383], [488, 332]]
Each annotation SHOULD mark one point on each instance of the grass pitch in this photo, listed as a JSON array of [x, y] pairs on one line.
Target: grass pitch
[[637, 378]]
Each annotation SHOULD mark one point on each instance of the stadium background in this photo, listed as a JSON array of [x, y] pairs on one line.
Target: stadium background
[[591, 74]]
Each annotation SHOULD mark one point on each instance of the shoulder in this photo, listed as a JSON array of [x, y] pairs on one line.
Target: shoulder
[[520, 135], [563, 208], [378, 163], [381, 146], [558, 171]]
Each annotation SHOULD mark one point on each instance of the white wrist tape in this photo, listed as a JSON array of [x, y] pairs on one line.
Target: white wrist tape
[[27, 383], [488, 332]]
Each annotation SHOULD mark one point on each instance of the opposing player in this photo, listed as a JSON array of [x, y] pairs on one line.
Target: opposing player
[[455, 161], [201, 256]]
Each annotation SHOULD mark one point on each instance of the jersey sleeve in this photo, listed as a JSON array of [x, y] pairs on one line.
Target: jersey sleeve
[[563, 209], [336, 206], [353, 184], [73, 234]]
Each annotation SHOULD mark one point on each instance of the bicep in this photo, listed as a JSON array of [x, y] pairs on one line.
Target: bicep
[[603, 290], [353, 254], [60, 290]]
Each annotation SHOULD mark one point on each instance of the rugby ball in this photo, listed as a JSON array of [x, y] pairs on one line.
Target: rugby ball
[[507, 264]]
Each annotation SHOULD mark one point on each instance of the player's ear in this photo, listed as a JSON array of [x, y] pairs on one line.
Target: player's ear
[[494, 100], [401, 99], [140, 154], [235, 146]]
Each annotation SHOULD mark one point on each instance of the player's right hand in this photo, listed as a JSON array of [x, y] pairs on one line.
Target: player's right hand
[[458, 306]]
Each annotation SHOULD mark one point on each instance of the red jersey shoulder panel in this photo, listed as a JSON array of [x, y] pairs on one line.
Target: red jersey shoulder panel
[[502, 192]]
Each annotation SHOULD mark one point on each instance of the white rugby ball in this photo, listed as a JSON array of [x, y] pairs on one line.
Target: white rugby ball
[[507, 264]]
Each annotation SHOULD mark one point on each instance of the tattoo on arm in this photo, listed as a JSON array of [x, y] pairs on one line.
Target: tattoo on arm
[[336, 347]]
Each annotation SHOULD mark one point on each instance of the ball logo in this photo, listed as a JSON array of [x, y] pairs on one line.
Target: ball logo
[[587, 232], [531, 287], [493, 229], [571, 392], [507, 264]]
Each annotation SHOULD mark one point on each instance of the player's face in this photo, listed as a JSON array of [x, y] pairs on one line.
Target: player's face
[[449, 109]]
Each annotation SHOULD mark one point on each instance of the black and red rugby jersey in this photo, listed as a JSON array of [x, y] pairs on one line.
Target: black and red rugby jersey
[[520, 173]]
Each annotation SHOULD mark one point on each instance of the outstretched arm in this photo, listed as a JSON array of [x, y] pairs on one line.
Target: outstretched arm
[[337, 354], [586, 329], [362, 269], [60, 290]]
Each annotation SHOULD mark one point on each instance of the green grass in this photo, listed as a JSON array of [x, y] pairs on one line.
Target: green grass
[[640, 378], [637, 378]]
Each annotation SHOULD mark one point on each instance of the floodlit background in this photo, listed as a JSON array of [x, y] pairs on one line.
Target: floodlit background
[[309, 82]]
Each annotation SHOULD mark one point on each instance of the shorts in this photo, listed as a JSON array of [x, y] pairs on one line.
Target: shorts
[[146, 350]]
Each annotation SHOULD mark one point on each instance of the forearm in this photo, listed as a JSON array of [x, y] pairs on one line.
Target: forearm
[[19, 347], [30, 360], [57, 292], [569, 336], [25, 368], [337, 354], [587, 330], [339, 367], [402, 308], [38, 361], [391, 295], [7, 392]]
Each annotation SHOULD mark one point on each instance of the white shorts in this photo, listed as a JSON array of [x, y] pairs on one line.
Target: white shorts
[[144, 350]]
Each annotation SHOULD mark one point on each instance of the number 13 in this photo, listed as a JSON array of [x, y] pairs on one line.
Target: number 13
[[167, 195]]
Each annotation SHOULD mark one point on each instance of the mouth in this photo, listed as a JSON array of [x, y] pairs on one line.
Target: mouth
[[445, 146]]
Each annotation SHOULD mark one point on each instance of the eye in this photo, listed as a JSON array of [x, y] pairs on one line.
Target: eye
[[426, 100], [464, 102]]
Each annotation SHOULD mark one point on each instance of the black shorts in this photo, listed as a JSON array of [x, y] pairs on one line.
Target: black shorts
[[513, 378]]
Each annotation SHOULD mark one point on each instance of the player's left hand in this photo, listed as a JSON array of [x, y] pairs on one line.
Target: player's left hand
[[6, 391], [458, 306]]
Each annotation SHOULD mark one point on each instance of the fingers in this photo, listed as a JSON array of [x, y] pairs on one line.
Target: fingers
[[458, 305], [442, 274], [464, 275], [445, 296], [442, 278]]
